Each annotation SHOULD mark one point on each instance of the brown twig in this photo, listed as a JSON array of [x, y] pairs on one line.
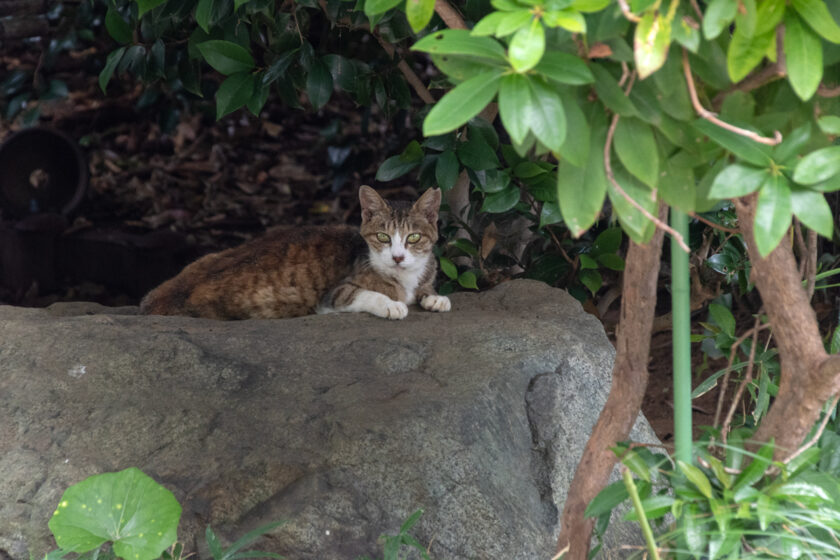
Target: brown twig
[[810, 443], [611, 177], [712, 224], [825, 91], [410, 76], [724, 429], [712, 118], [751, 332], [449, 15], [625, 9]]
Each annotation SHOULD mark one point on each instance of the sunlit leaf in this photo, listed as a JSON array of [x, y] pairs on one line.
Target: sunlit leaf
[[773, 213], [514, 101], [719, 14], [527, 46], [650, 43], [745, 52], [544, 114], [816, 13], [803, 57], [818, 166], [462, 103], [419, 13], [813, 210], [117, 507], [737, 180], [460, 42]]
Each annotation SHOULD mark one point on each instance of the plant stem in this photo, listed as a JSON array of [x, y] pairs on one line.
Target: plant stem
[[640, 512], [681, 306]]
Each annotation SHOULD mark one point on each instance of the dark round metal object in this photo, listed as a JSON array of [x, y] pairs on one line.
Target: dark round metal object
[[41, 170]]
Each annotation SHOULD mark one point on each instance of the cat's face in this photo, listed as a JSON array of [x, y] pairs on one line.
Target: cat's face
[[400, 235]]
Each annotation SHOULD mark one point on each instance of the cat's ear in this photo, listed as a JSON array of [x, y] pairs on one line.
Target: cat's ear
[[371, 202], [428, 205]]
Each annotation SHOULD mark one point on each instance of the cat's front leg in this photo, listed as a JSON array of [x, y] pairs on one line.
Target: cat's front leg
[[430, 300], [375, 303]]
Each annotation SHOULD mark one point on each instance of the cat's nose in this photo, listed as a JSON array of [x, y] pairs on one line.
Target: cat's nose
[[398, 258]]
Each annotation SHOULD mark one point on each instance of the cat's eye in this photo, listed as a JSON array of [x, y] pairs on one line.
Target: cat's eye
[[413, 238], [383, 237]]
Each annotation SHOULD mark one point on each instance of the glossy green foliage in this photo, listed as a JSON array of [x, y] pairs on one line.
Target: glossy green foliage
[[733, 503]]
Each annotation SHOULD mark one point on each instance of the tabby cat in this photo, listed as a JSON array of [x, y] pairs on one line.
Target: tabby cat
[[380, 268]]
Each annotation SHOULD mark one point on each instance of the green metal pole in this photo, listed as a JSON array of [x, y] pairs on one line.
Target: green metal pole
[[681, 317]]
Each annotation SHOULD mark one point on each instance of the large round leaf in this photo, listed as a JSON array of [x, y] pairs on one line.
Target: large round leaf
[[128, 508]]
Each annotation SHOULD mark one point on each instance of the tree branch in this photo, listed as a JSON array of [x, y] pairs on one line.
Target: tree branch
[[629, 381], [449, 15], [809, 376], [712, 118]]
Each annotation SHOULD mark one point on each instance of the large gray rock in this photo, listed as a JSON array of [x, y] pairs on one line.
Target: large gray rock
[[341, 424]]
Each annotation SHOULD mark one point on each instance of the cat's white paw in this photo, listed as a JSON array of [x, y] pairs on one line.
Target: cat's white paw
[[393, 310], [436, 303]]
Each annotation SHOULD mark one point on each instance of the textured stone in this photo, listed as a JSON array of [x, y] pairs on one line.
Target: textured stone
[[342, 424]]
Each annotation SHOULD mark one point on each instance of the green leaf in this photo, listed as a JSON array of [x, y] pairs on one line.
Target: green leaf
[[611, 94], [650, 43], [803, 57], [723, 318], [512, 22], [477, 154], [813, 210], [462, 103], [376, 7], [226, 57], [550, 214], [448, 268], [745, 52], [635, 224], [399, 165], [773, 213], [203, 14], [575, 147], [591, 279], [737, 180], [544, 115], [564, 68], [460, 42], [834, 347], [234, 93], [653, 506], [829, 124], [117, 27], [419, 13], [514, 100], [570, 20], [611, 261], [818, 166], [816, 13], [636, 148], [607, 499], [719, 14], [127, 508], [110, 66], [319, 84], [697, 478], [588, 6], [446, 170], [677, 185], [694, 527], [258, 98], [488, 24], [744, 148], [587, 262], [144, 6], [795, 141], [527, 46], [468, 280], [769, 15], [581, 191], [501, 201]]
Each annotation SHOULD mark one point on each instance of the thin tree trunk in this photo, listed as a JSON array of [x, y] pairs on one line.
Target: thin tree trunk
[[809, 376], [629, 381]]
